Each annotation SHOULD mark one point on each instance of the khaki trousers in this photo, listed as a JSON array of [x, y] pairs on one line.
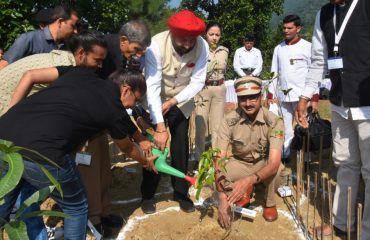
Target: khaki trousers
[[210, 105], [351, 154], [236, 170], [97, 178]]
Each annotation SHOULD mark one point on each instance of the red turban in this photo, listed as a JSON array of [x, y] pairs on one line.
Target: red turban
[[185, 23]]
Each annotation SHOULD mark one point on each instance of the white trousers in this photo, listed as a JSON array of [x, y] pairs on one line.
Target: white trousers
[[351, 154], [287, 111]]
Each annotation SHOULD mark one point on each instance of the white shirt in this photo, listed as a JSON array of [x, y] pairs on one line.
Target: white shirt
[[153, 76], [317, 70], [290, 63], [248, 59]]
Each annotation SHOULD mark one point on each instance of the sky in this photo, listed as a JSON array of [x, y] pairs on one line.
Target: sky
[[175, 3]]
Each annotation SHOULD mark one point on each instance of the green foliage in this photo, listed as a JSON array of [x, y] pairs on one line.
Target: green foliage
[[206, 169], [16, 16], [14, 20], [10, 156], [239, 17]]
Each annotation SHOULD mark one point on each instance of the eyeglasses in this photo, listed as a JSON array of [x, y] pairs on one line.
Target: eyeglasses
[[252, 98]]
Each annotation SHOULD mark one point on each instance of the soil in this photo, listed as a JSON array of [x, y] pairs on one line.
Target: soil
[[169, 222]]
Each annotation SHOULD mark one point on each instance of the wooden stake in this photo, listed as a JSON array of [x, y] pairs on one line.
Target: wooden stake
[[359, 221], [322, 205], [349, 212], [314, 205], [308, 203], [298, 185], [320, 154], [330, 208]]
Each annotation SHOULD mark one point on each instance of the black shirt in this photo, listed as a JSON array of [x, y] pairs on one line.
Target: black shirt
[[75, 107], [115, 60]]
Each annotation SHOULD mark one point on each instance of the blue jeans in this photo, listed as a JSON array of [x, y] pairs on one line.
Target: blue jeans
[[35, 226], [73, 202]]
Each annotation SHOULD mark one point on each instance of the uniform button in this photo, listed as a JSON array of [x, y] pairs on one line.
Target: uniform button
[[175, 69], [174, 87]]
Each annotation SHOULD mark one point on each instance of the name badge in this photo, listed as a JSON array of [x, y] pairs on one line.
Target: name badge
[[335, 63], [83, 158]]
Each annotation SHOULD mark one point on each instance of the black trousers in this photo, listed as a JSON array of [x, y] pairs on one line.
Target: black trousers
[[179, 127]]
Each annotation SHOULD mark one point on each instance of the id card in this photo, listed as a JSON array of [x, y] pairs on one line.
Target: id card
[[83, 158], [335, 63]]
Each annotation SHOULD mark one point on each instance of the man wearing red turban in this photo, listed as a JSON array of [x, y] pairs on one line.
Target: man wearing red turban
[[175, 71]]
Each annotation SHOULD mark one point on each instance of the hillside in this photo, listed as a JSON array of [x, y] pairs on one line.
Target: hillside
[[306, 9]]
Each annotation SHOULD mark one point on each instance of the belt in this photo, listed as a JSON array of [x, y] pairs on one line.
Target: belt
[[248, 71], [215, 82]]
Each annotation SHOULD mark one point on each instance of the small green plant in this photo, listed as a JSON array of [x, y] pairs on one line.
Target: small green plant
[[10, 157], [206, 169]]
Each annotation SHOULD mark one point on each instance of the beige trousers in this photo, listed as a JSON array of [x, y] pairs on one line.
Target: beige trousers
[[97, 178], [236, 170], [351, 154], [209, 111]]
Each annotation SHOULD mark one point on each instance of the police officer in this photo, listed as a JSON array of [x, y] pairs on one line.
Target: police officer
[[256, 136], [210, 102]]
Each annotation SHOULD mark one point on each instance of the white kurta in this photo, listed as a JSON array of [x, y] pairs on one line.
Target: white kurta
[[290, 63]]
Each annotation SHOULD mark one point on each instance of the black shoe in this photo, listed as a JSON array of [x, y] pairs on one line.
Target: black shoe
[[148, 206], [112, 221], [186, 204]]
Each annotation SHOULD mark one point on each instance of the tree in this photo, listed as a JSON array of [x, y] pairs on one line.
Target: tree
[[239, 17], [17, 16], [14, 20]]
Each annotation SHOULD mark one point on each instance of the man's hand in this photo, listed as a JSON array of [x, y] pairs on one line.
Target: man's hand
[[167, 105], [301, 113], [240, 187], [273, 100], [224, 211], [315, 106], [149, 164], [146, 146], [161, 136]]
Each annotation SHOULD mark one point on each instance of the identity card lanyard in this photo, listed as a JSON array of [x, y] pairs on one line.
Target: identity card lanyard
[[338, 36], [336, 62]]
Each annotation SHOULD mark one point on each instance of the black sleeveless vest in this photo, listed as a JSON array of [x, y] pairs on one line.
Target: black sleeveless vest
[[350, 85]]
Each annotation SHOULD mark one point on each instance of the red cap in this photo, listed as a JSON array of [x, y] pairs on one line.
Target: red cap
[[185, 23]]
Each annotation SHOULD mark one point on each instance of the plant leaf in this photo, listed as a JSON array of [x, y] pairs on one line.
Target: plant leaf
[[51, 178], [36, 197], [14, 174], [45, 213], [16, 230], [16, 148]]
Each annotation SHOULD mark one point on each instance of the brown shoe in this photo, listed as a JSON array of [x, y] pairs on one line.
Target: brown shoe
[[270, 214]]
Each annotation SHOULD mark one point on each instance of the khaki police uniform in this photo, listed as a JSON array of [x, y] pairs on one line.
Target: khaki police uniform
[[250, 144], [210, 102]]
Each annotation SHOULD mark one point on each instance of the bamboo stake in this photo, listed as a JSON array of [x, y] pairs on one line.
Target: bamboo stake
[[298, 185], [308, 203], [308, 153], [359, 221], [349, 212], [320, 154], [322, 205], [330, 208], [314, 205], [301, 167]]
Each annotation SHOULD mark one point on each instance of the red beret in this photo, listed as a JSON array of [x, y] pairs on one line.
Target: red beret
[[185, 23]]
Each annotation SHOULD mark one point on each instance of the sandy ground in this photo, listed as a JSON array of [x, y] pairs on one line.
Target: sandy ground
[[169, 222]]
